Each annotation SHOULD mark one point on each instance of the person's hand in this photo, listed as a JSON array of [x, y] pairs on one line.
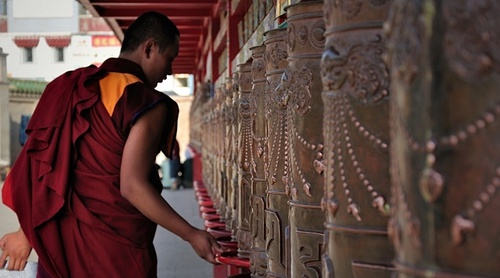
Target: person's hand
[[205, 245], [16, 247]]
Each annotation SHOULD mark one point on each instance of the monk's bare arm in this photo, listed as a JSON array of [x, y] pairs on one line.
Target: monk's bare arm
[[139, 154]]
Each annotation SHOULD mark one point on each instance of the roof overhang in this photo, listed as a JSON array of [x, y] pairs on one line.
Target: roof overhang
[[191, 17]]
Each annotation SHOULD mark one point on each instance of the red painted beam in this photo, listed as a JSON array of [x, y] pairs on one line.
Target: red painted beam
[[132, 13], [168, 2]]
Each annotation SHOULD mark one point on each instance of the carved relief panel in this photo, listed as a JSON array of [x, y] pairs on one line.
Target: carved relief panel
[[233, 179], [218, 126], [227, 150], [246, 112], [356, 133], [446, 147], [259, 157], [300, 91], [207, 153], [277, 198]]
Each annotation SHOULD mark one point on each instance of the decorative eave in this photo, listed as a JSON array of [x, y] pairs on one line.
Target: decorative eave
[[25, 88], [26, 41], [58, 41]]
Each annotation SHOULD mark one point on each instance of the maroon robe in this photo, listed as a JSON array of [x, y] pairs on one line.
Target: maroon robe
[[65, 185]]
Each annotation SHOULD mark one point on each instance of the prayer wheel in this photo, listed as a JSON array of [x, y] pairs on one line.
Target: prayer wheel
[[300, 91], [213, 186], [232, 214], [226, 137], [356, 135], [246, 112], [207, 153], [258, 258], [277, 198], [445, 151], [218, 126]]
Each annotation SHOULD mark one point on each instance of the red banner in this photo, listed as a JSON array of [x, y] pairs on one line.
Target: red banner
[[104, 41]]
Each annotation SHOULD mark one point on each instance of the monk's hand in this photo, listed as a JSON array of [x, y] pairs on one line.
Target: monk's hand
[[16, 247], [205, 245]]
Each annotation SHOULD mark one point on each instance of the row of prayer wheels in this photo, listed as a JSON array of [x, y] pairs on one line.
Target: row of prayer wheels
[[361, 140]]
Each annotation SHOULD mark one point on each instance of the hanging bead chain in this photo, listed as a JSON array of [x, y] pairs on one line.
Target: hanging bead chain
[[294, 138], [246, 140], [343, 118], [278, 126], [460, 224], [329, 203]]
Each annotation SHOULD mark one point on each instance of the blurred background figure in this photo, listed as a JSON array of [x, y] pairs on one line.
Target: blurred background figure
[[175, 168], [187, 169]]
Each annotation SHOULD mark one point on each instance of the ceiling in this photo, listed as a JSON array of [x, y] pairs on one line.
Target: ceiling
[[191, 17]]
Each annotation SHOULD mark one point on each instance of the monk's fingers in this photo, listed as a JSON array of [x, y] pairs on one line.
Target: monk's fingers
[[216, 248], [3, 259], [13, 264], [19, 264], [207, 253], [210, 257]]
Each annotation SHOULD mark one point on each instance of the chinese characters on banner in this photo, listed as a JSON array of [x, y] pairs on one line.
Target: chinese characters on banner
[[103, 41]]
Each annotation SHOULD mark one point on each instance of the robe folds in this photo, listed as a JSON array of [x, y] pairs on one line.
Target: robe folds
[[65, 184]]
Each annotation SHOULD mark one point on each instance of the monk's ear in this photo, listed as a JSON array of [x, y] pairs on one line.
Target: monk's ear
[[148, 47]]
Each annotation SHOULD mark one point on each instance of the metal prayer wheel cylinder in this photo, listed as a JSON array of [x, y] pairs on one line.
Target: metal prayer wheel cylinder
[[246, 112], [226, 139], [218, 147], [258, 257], [232, 216], [221, 133], [207, 153], [229, 151], [356, 135], [277, 246], [213, 147], [300, 91], [445, 137]]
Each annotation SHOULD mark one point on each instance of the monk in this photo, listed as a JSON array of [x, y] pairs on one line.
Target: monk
[[84, 188]]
